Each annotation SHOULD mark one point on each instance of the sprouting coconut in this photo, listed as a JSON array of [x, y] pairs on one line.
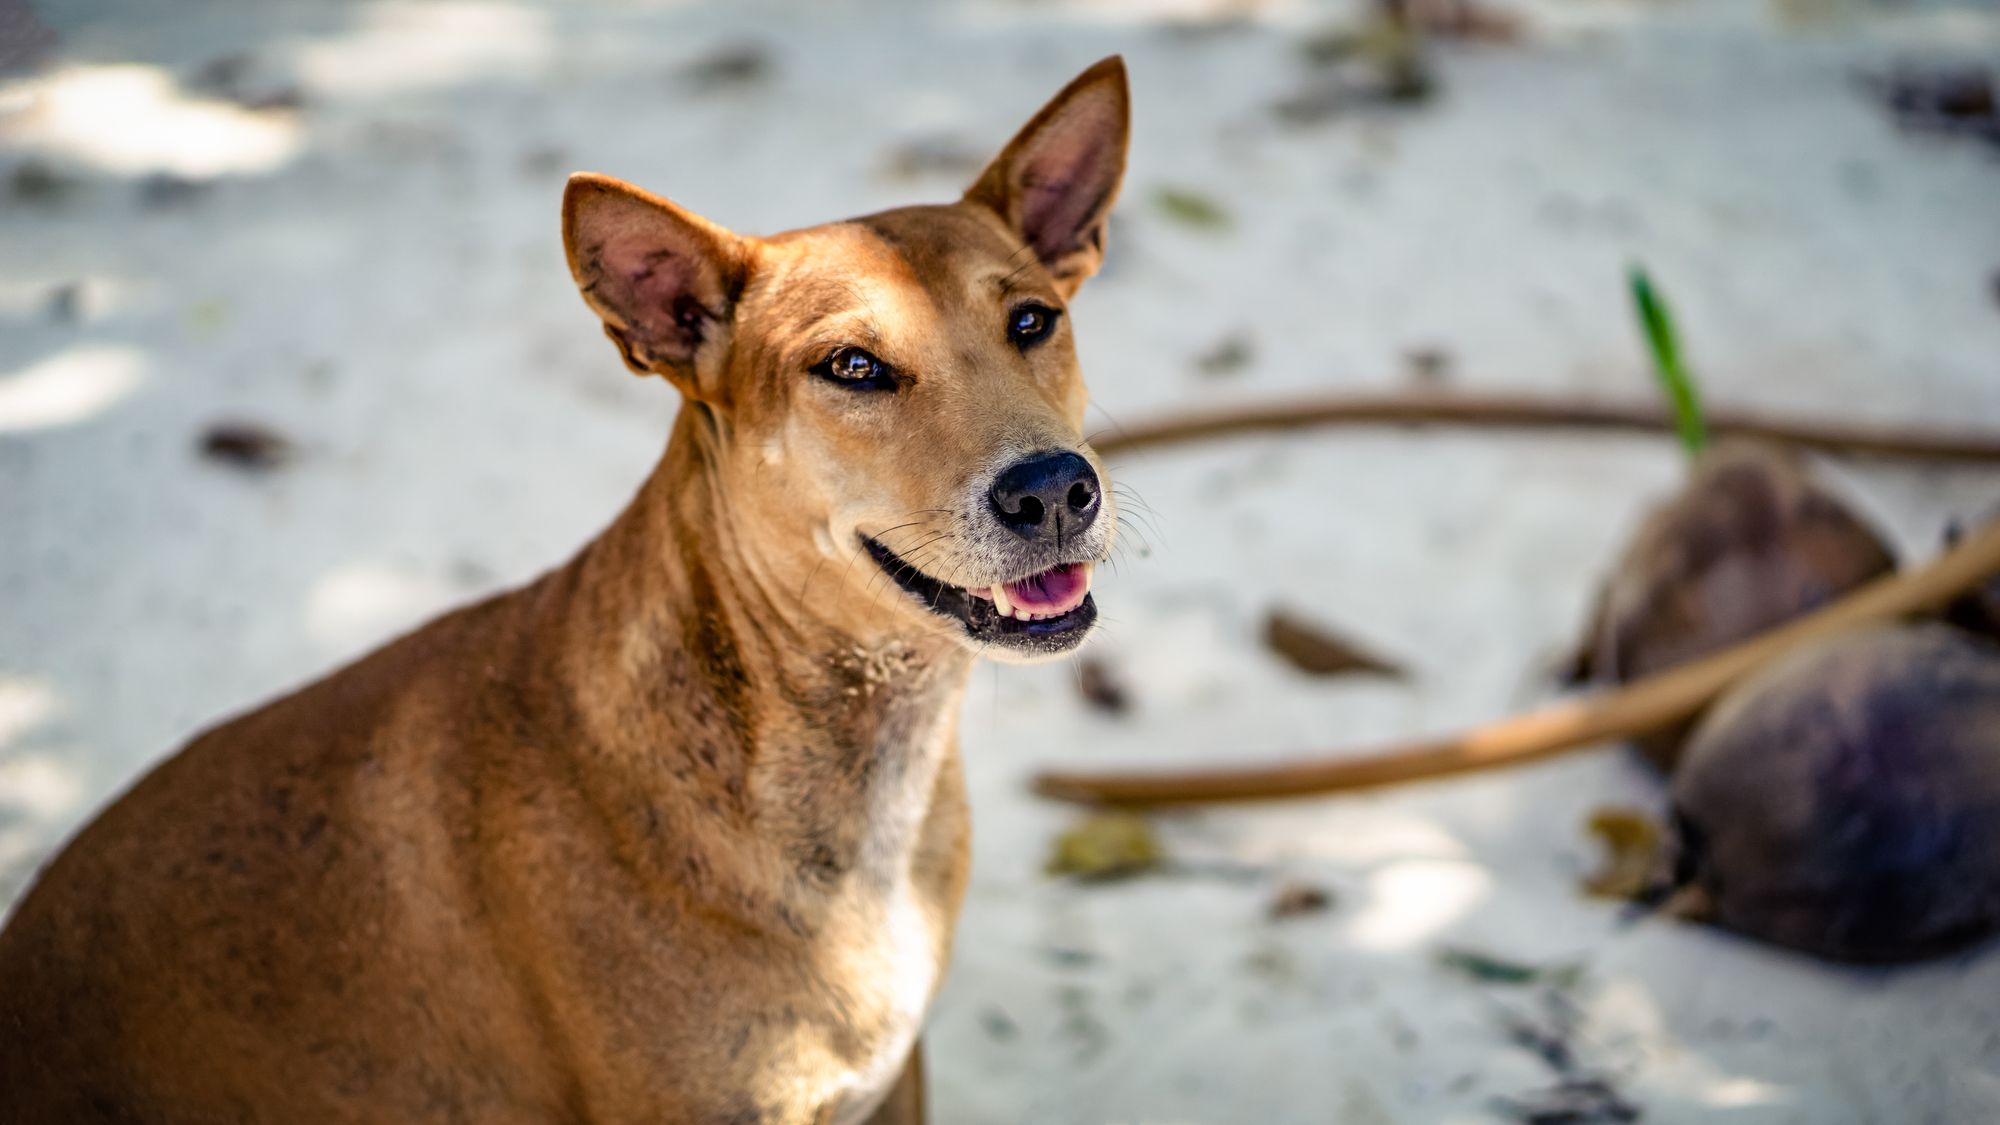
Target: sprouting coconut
[[1845, 801], [1750, 541]]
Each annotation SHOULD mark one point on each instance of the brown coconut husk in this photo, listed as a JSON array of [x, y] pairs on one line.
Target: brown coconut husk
[[1845, 801], [1752, 540]]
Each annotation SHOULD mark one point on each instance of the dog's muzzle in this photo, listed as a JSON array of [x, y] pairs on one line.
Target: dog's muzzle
[[1045, 613]]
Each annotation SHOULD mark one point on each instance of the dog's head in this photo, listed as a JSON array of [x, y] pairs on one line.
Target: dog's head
[[890, 407]]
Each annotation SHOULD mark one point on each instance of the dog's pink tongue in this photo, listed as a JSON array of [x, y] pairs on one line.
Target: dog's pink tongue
[[1057, 590]]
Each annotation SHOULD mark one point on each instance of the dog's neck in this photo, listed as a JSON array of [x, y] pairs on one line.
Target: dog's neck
[[723, 723]]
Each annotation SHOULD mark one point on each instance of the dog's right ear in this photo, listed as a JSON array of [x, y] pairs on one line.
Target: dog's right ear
[[664, 280], [1055, 181]]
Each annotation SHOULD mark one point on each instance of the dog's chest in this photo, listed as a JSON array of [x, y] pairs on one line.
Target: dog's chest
[[900, 967], [879, 934]]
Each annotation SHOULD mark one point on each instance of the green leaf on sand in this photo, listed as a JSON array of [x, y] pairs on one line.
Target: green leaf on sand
[[1488, 969], [1190, 208], [1109, 845]]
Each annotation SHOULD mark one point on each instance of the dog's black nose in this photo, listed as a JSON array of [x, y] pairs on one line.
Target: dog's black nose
[[1045, 495]]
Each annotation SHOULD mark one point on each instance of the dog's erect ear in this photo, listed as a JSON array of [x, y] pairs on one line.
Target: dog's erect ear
[[664, 280], [1055, 181]]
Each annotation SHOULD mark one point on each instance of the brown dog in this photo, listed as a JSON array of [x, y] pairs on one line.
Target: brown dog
[[676, 833]]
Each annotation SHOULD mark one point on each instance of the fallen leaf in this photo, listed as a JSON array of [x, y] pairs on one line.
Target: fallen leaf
[[1191, 208], [1551, 1036], [1956, 98], [234, 78], [1317, 651], [1087, 1035], [1428, 365], [1316, 102], [1631, 841], [249, 446], [1295, 900], [208, 316], [1070, 958], [38, 181], [1458, 19], [471, 573], [1376, 63], [1229, 355], [736, 66], [543, 160], [1808, 14], [1489, 969], [1101, 688], [940, 156], [1106, 846], [998, 1025], [1332, 44], [1273, 963], [65, 303], [169, 189], [1573, 1101], [1209, 26], [1581, 1095], [25, 41]]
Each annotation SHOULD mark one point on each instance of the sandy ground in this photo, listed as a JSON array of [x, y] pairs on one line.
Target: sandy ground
[[376, 274]]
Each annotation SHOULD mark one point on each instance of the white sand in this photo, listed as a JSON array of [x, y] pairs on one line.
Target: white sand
[[380, 278]]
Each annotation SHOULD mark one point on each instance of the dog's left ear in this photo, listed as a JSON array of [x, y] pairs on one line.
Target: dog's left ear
[[1055, 181], [664, 280]]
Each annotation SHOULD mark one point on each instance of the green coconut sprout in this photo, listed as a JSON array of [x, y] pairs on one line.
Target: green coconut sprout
[[1675, 379]]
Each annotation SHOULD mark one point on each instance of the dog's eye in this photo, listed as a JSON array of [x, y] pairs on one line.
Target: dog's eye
[[1029, 324], [858, 369]]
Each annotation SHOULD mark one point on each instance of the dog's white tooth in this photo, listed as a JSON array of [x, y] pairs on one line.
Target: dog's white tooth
[[1000, 601]]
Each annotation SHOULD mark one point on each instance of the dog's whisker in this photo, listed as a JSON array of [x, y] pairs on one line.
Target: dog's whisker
[[1141, 511], [1127, 520], [908, 561], [1145, 534], [935, 537], [1127, 498], [807, 584], [1130, 493], [1115, 424], [1126, 533], [878, 536], [1133, 501]]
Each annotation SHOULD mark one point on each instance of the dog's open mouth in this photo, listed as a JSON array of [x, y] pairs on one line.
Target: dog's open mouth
[[1049, 611]]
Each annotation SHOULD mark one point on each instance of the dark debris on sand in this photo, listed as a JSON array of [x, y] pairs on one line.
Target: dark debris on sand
[[246, 446]]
